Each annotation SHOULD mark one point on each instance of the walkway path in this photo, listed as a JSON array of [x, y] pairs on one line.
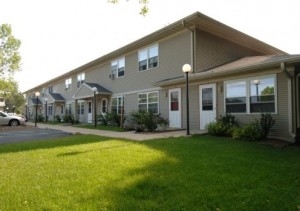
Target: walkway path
[[127, 135]]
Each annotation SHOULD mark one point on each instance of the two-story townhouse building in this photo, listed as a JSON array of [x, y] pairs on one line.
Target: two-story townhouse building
[[231, 73]]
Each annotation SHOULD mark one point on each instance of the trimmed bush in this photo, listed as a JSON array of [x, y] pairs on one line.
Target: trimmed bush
[[223, 126], [256, 130], [147, 121]]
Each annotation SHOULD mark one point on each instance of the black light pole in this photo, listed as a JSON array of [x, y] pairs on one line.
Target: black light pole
[[46, 100], [37, 94], [187, 69], [95, 106]]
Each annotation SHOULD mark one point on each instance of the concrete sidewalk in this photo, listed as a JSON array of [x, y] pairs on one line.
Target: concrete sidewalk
[[127, 135]]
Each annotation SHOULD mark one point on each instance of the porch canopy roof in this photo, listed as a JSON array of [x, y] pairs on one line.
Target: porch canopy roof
[[35, 100], [86, 90], [239, 66], [56, 97]]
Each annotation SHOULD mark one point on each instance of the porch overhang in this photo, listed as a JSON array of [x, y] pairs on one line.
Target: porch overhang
[[86, 91], [55, 98]]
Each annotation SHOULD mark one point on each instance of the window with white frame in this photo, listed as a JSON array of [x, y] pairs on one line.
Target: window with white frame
[[80, 79], [61, 108], [118, 67], [148, 58], [50, 110], [148, 102], [68, 84], [50, 89], [116, 104], [80, 108], [253, 95]]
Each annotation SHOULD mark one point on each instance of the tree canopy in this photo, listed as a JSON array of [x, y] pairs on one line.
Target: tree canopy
[[9, 56], [144, 3]]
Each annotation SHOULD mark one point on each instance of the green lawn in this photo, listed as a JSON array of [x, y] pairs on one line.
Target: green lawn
[[86, 172]]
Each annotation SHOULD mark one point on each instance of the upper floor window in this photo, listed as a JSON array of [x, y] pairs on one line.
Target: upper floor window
[[118, 67], [255, 95], [148, 58], [148, 102], [50, 89], [68, 84], [80, 79]]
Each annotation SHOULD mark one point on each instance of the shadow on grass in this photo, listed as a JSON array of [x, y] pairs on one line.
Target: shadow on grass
[[206, 173], [52, 143], [93, 150]]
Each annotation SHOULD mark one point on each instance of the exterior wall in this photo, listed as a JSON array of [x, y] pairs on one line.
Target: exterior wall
[[212, 51], [280, 129]]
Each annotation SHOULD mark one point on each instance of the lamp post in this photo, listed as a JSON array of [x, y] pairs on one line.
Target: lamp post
[[187, 69], [256, 83], [46, 110], [37, 94], [95, 106]]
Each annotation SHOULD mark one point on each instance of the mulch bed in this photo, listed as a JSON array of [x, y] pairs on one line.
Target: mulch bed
[[276, 143]]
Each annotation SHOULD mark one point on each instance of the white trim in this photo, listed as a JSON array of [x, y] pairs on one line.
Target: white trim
[[248, 90], [179, 106], [138, 91], [214, 86], [147, 93]]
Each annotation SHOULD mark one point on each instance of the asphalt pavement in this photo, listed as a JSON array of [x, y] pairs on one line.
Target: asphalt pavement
[[12, 136]]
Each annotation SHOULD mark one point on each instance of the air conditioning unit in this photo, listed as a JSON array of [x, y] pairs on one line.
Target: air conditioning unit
[[112, 76]]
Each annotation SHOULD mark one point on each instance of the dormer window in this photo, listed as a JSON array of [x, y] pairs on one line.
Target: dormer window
[[148, 58]]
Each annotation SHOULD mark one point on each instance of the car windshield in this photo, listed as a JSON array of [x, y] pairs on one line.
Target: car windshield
[[3, 114]]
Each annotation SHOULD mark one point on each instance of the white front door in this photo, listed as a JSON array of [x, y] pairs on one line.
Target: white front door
[[207, 104], [175, 108], [90, 116]]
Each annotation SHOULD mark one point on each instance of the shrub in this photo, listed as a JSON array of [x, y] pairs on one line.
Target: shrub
[[40, 118], [57, 118], [249, 132], [69, 118], [223, 126], [266, 123], [147, 121], [256, 130]]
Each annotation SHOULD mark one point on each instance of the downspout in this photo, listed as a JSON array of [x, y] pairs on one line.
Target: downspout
[[290, 99], [193, 45]]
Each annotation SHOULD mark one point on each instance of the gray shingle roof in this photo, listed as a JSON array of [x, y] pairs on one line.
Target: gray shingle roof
[[33, 100], [57, 97], [100, 89]]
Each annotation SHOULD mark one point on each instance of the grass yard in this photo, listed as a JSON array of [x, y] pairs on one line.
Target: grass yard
[[86, 172]]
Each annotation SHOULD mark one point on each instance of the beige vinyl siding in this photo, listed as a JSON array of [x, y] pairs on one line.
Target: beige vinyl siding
[[194, 106], [280, 129], [213, 51]]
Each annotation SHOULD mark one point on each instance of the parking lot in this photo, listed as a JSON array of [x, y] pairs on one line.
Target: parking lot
[[13, 135]]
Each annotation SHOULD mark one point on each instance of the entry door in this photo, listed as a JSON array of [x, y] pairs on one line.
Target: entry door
[[90, 116], [175, 108], [207, 104]]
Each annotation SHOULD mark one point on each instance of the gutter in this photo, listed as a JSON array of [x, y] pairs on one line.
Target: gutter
[[290, 98], [285, 71], [193, 44]]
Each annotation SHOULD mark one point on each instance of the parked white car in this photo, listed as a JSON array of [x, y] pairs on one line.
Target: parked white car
[[11, 120]]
